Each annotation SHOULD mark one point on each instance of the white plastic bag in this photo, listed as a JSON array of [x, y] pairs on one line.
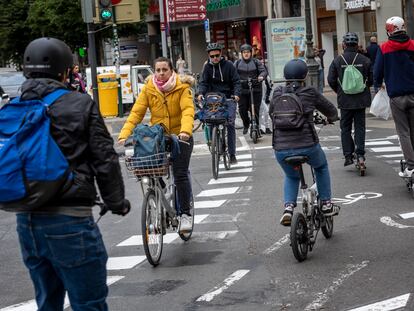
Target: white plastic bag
[[380, 106]]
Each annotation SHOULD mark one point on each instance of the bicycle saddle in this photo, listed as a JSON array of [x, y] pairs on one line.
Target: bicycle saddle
[[296, 160]]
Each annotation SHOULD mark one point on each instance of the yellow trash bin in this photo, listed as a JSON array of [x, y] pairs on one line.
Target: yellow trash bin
[[108, 94]]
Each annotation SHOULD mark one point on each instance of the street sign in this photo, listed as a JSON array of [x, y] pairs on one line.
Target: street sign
[[186, 10]]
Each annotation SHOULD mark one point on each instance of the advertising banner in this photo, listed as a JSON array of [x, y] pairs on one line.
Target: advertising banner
[[285, 38]]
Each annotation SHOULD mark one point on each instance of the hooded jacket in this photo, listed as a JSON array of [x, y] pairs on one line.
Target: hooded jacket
[[336, 72], [252, 68], [221, 77], [174, 109], [395, 65], [81, 134]]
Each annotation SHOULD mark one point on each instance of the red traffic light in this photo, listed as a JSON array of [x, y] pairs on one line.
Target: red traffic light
[[115, 2]]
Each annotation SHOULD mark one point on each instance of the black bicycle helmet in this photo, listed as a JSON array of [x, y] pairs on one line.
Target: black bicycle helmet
[[295, 69], [48, 56], [214, 46], [350, 38], [246, 47]]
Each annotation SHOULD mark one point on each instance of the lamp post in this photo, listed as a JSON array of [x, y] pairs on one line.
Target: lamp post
[[313, 66]]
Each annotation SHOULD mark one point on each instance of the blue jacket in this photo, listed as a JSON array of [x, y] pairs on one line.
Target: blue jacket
[[395, 65]]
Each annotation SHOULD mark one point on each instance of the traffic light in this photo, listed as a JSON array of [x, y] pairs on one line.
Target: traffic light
[[105, 11]]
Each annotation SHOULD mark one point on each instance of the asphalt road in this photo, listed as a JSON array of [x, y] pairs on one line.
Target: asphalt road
[[239, 257]]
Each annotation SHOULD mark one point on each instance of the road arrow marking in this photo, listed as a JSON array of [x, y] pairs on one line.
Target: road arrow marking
[[386, 305], [407, 215], [392, 223]]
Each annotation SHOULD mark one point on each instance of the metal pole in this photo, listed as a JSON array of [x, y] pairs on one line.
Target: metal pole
[[117, 53], [92, 60], [163, 29], [410, 24], [313, 66]]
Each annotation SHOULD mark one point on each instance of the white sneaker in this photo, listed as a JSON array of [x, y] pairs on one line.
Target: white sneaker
[[407, 173], [186, 223]]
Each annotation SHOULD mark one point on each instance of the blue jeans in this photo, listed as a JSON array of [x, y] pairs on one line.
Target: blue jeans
[[317, 160], [64, 253]]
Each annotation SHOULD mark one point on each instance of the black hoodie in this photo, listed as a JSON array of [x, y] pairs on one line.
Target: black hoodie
[[221, 77]]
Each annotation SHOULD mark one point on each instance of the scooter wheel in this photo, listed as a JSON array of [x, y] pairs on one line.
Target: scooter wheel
[[255, 136]]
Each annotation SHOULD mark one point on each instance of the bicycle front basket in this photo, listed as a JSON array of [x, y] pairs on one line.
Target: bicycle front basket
[[152, 166]]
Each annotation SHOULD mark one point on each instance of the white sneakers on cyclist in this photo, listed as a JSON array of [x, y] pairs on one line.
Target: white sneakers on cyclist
[[407, 173], [329, 209], [287, 215], [186, 223]]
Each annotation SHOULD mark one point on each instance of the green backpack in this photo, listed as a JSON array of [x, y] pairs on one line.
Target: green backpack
[[352, 80]]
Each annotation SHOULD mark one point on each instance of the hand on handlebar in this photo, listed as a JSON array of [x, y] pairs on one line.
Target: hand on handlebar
[[184, 136], [200, 97], [236, 98]]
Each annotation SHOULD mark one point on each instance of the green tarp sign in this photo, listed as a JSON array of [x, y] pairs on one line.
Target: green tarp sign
[[214, 5]]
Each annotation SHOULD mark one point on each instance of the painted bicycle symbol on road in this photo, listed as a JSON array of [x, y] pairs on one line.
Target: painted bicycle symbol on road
[[355, 197]]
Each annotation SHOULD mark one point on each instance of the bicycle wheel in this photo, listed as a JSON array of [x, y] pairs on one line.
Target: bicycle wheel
[[151, 227], [186, 236], [299, 237], [225, 150], [327, 228], [215, 152]]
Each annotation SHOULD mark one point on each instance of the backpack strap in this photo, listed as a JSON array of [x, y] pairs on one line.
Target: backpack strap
[[356, 55], [345, 60], [50, 98]]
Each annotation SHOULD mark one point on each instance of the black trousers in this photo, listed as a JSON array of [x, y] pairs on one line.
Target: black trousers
[[182, 176], [245, 107], [355, 117]]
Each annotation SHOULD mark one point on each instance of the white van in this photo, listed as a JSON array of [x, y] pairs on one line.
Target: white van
[[132, 80]]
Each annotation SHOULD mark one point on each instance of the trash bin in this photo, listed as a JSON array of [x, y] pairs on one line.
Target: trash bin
[[108, 94]]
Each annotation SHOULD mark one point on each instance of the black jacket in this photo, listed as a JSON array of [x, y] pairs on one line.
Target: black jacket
[[372, 51], [222, 77], [253, 69], [80, 132], [305, 136], [336, 71]]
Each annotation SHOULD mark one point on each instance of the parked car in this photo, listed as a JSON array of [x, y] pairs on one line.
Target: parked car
[[11, 81]]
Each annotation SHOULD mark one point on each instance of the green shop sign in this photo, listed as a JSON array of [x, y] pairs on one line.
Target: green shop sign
[[215, 5]]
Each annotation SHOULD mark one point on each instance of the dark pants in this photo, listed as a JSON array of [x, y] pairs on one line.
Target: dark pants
[[181, 176], [402, 108], [245, 107], [64, 253], [355, 117]]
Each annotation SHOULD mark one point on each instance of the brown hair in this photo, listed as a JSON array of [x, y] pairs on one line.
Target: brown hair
[[164, 59]]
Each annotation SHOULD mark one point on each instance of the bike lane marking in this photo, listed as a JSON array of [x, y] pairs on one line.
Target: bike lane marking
[[209, 204], [217, 290], [277, 245], [228, 180], [239, 164], [386, 220], [407, 215], [386, 149], [386, 305], [378, 143], [216, 192], [237, 171], [355, 197], [123, 263], [323, 297]]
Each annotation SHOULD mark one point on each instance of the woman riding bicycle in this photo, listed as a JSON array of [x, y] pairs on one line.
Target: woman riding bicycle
[[302, 140], [170, 101]]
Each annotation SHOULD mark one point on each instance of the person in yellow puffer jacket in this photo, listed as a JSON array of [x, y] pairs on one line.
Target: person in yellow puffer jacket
[[170, 101]]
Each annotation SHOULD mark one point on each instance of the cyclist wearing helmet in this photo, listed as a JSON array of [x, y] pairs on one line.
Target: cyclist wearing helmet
[[352, 105], [303, 140], [219, 75], [60, 241], [394, 64], [249, 67]]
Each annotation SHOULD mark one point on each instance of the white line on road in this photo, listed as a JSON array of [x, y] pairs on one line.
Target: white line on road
[[407, 215], [378, 143], [239, 164], [123, 263], [386, 149], [263, 147], [228, 180], [31, 305], [217, 290], [386, 305], [397, 155], [202, 237], [209, 204], [322, 297], [136, 240], [277, 245], [244, 142], [389, 222], [244, 156], [383, 138], [215, 192], [238, 171]]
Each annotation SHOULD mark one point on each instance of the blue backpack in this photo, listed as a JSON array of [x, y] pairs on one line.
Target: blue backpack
[[32, 167], [149, 140], [214, 108]]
